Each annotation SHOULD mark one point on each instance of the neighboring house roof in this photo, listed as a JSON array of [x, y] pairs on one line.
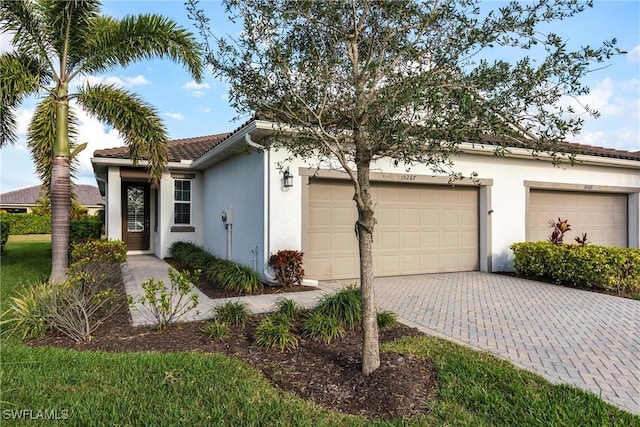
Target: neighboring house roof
[[88, 195], [194, 148], [177, 149]]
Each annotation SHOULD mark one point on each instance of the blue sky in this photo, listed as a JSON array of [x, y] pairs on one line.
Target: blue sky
[[190, 109]]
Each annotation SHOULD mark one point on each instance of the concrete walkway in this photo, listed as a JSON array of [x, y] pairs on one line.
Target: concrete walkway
[[585, 339], [582, 338], [139, 268]]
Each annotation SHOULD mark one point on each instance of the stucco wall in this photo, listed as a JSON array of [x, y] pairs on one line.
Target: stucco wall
[[113, 201], [507, 195], [236, 183]]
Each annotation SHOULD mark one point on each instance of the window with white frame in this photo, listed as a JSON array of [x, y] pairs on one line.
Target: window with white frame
[[182, 202]]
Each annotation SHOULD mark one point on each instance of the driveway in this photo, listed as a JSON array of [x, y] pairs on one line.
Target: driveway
[[586, 339]]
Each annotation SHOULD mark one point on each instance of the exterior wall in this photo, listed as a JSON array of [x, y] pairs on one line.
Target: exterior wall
[[237, 183], [113, 200], [165, 237], [507, 196]]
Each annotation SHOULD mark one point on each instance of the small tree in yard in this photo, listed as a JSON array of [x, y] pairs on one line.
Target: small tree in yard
[[354, 81]]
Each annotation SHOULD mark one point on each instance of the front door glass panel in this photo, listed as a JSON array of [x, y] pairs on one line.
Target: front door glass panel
[[135, 209]]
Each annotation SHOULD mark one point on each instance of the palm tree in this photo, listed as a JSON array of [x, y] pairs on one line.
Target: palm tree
[[58, 41]]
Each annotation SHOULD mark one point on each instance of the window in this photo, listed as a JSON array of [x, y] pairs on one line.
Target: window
[[182, 202]]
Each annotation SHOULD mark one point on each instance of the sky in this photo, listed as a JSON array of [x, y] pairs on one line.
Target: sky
[[192, 109]]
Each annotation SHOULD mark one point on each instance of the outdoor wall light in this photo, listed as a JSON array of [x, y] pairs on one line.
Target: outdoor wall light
[[287, 179]]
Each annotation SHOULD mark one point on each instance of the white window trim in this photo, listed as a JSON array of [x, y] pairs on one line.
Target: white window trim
[[190, 202]]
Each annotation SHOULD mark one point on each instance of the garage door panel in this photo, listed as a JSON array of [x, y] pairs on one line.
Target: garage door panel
[[603, 216], [420, 229]]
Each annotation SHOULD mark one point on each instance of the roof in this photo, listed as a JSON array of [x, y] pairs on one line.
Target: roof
[[88, 195], [194, 148], [177, 149]]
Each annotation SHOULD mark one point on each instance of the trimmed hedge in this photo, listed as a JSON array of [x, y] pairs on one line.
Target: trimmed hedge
[[595, 266], [84, 229], [30, 223], [5, 228]]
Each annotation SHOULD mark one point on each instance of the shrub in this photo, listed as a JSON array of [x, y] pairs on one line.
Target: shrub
[[100, 250], [234, 313], [168, 304], [28, 312], [602, 267], [386, 319], [322, 327], [345, 305], [90, 227], [5, 229], [275, 332], [288, 307], [237, 278], [27, 223], [559, 228], [287, 266], [216, 330]]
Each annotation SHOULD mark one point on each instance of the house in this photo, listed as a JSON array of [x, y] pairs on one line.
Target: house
[[226, 193], [25, 199]]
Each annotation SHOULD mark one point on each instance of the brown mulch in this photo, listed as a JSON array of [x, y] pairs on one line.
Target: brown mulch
[[326, 374]]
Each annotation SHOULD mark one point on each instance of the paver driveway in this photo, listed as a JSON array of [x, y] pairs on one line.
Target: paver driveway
[[582, 338]]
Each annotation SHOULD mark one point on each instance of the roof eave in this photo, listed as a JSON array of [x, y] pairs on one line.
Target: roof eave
[[489, 150]]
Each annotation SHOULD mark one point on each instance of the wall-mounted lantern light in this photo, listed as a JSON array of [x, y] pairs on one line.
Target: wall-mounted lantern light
[[287, 179]]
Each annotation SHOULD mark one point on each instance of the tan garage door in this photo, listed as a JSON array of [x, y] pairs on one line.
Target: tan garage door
[[603, 216], [420, 229]]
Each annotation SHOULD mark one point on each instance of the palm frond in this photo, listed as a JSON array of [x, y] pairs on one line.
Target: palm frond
[[21, 76], [22, 19], [41, 137], [69, 25], [138, 122], [133, 38]]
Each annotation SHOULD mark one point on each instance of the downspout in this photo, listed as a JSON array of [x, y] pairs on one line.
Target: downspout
[[266, 211]]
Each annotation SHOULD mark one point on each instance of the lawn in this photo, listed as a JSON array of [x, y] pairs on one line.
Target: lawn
[[188, 388]]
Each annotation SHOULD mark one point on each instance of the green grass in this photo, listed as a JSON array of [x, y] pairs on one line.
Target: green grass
[[99, 388]]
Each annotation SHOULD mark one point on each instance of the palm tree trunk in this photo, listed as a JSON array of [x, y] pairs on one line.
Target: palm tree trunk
[[60, 189]]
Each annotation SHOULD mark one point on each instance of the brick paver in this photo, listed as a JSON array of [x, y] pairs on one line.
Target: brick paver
[[586, 339]]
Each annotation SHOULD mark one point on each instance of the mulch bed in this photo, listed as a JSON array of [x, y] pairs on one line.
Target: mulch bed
[[326, 374]]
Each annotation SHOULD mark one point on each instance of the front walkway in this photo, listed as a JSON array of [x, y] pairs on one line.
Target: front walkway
[[585, 339], [139, 268], [582, 338]]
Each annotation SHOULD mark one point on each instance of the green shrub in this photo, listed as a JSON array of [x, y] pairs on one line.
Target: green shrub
[[100, 250], [167, 304], [288, 307], [234, 313], [386, 319], [216, 330], [602, 267], [90, 227], [238, 278], [322, 327], [22, 224], [287, 266], [275, 332], [5, 229], [345, 305], [28, 313]]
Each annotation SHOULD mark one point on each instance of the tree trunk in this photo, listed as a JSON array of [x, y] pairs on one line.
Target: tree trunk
[[365, 225], [60, 189], [60, 202]]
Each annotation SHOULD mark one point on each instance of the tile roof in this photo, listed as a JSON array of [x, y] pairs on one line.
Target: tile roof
[[88, 195], [177, 149], [193, 148]]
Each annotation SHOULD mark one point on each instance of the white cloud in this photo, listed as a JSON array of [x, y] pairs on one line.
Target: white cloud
[[5, 42], [206, 110], [193, 85], [120, 81], [177, 116], [197, 93], [634, 55]]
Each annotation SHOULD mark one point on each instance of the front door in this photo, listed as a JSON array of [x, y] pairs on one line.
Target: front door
[[135, 215]]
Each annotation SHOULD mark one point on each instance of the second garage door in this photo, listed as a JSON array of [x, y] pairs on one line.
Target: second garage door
[[603, 216], [420, 229]]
